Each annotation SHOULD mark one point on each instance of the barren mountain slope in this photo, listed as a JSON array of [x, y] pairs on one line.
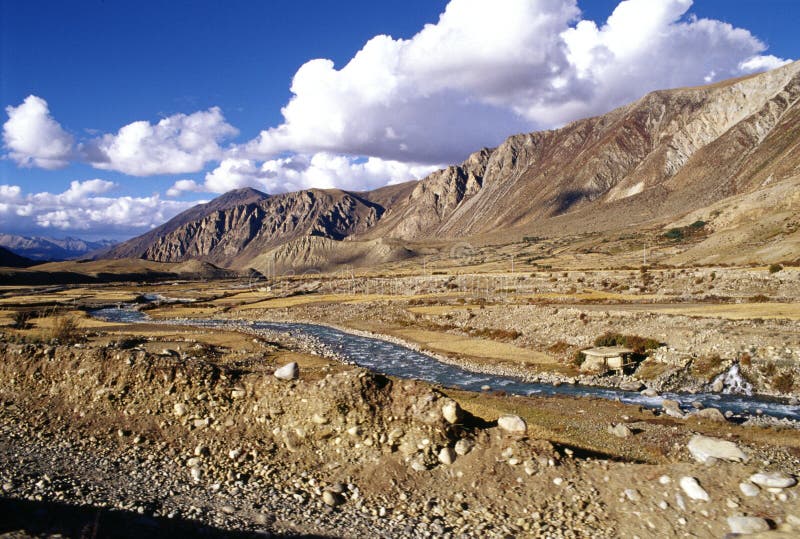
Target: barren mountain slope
[[650, 162], [138, 246], [667, 153], [233, 236]]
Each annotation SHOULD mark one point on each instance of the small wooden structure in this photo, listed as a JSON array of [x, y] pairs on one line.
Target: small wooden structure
[[606, 358]]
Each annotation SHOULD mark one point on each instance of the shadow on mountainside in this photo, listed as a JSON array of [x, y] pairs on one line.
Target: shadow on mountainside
[[24, 518]]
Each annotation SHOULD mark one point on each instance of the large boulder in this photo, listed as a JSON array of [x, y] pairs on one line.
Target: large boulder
[[704, 448], [513, 424]]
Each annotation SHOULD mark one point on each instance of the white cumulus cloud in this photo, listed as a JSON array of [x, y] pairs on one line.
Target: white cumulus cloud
[[33, 138], [321, 170], [486, 70], [177, 144], [83, 208]]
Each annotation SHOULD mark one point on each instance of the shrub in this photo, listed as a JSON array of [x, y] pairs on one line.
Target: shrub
[[638, 344], [775, 268], [558, 347], [19, 320], [674, 234], [759, 298], [783, 382], [770, 369], [746, 359], [578, 358], [66, 329]]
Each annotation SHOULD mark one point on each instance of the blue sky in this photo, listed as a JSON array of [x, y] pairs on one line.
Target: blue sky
[[219, 76]]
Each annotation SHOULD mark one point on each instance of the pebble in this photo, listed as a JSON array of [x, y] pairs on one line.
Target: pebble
[[747, 525], [179, 409], [693, 489], [512, 423], [447, 455], [464, 446], [704, 448], [620, 430], [290, 371], [195, 472], [451, 412], [632, 494], [773, 480], [749, 489], [332, 498], [711, 414]]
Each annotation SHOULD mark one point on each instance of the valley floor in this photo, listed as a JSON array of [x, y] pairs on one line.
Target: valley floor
[[169, 430]]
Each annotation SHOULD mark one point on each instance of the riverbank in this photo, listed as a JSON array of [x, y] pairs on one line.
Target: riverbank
[[208, 437]]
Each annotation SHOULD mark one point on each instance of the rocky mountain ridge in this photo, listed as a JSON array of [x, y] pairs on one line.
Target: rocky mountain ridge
[[651, 162]]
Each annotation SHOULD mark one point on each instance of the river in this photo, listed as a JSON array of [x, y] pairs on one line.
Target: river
[[396, 360]]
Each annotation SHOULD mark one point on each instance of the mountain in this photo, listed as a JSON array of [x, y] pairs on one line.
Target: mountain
[[137, 247], [46, 249], [648, 163], [9, 259]]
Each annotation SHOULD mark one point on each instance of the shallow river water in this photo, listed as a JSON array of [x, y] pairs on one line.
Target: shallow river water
[[397, 360]]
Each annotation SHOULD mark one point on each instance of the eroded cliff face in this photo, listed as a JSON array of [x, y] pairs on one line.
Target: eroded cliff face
[[687, 146], [242, 232], [667, 154]]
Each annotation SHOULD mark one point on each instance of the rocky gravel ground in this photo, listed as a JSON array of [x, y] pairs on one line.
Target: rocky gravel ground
[[111, 439]]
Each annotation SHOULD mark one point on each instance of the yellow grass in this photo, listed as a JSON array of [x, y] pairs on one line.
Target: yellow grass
[[281, 303], [739, 311], [473, 347], [440, 309], [592, 295]]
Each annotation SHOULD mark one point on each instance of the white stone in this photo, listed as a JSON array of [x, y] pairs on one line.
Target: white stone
[[712, 414], [620, 430], [451, 412], [418, 465], [195, 473], [747, 525], [558, 481], [332, 498], [512, 423], [704, 448], [632, 494], [464, 446], [693, 489], [773, 480], [664, 480], [749, 489], [290, 371], [447, 455], [180, 409]]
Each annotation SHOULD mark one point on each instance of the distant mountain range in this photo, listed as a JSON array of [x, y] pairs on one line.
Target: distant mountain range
[[40, 248], [650, 163]]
